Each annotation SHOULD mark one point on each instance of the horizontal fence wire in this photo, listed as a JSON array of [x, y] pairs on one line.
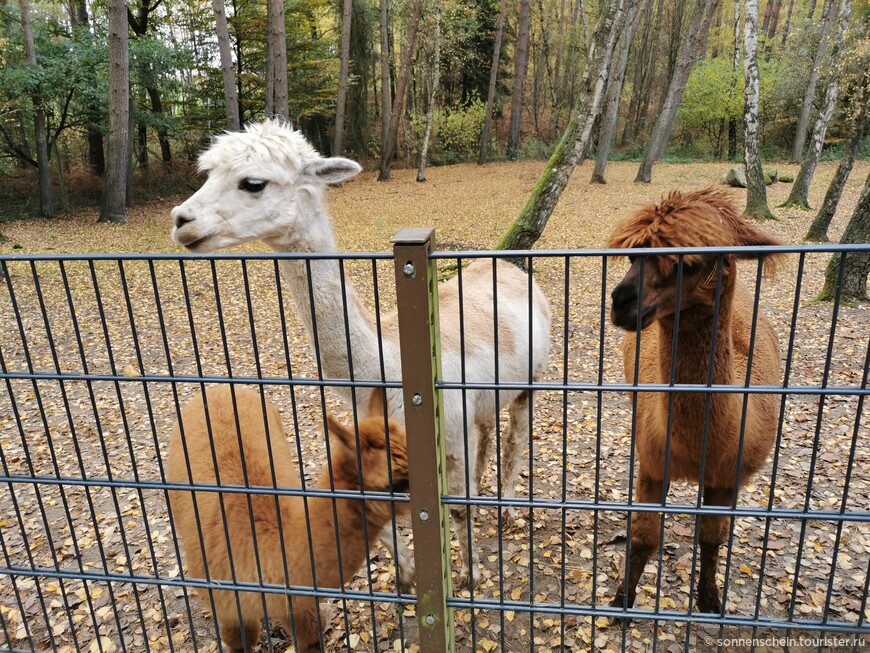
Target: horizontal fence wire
[[99, 355]]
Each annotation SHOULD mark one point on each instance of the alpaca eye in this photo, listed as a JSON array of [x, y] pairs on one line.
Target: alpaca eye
[[252, 185]]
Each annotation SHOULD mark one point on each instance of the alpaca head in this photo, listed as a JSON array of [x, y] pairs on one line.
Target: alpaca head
[[701, 218], [260, 181], [378, 469]]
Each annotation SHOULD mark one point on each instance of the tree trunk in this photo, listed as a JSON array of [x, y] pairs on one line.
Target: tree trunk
[[43, 164], [691, 50], [401, 88], [433, 94], [774, 23], [800, 137], [560, 45], [113, 207], [607, 128], [231, 96], [78, 14], [278, 36], [767, 12], [386, 97], [735, 63], [787, 26], [647, 88], [269, 77], [162, 135], [139, 23], [716, 31], [580, 11], [343, 72], [362, 66], [528, 227], [483, 157], [521, 65], [800, 190], [640, 73], [756, 191], [818, 230], [857, 264]]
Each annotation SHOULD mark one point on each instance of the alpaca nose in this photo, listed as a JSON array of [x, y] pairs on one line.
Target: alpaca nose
[[623, 295], [181, 219]]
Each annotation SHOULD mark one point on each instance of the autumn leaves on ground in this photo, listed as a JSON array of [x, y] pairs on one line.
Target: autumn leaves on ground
[[580, 446]]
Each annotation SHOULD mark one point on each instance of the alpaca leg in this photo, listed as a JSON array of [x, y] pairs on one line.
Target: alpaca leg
[[518, 427], [485, 430], [400, 552], [645, 528], [304, 625], [468, 549], [711, 535], [464, 516], [238, 635]]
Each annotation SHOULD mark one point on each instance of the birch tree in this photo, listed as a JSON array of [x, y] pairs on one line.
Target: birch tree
[[401, 88], [856, 265], [113, 207], [607, 128], [800, 190], [818, 230], [691, 50], [756, 191], [800, 138], [483, 157], [344, 69], [735, 64], [433, 94], [521, 65], [527, 228], [43, 165], [231, 96]]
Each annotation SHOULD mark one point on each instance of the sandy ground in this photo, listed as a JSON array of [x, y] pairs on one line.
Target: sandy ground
[[813, 569]]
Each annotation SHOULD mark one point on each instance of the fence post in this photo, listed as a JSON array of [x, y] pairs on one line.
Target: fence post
[[417, 299]]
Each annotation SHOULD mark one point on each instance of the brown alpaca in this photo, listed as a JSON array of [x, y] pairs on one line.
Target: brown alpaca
[[248, 415], [697, 219]]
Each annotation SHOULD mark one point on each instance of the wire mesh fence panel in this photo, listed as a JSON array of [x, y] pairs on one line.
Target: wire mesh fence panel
[[792, 561], [548, 445], [101, 357]]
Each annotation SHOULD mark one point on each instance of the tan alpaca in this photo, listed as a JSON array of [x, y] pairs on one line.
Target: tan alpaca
[[196, 448], [697, 219]]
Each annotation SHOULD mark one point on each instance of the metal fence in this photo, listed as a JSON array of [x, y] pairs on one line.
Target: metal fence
[[98, 354]]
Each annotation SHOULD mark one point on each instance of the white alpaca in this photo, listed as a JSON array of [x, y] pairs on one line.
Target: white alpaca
[[266, 183]]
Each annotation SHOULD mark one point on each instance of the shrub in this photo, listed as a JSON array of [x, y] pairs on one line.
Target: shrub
[[455, 132]]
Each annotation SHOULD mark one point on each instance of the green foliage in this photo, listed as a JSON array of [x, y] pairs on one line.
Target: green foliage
[[713, 93], [455, 132]]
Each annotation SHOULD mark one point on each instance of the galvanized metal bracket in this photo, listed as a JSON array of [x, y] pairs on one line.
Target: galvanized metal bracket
[[417, 299]]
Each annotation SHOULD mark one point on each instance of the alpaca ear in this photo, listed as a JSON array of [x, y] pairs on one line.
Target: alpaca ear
[[334, 169], [377, 403], [751, 238], [342, 433]]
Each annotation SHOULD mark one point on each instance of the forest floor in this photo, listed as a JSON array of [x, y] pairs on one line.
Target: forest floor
[[103, 319]]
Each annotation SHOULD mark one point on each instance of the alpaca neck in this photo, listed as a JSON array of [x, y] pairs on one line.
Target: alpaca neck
[[331, 308], [350, 518], [694, 343]]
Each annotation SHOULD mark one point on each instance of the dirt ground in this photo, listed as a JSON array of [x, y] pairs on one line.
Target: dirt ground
[[153, 319]]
